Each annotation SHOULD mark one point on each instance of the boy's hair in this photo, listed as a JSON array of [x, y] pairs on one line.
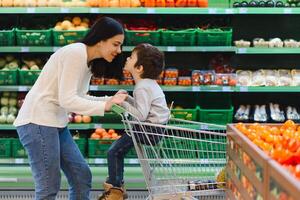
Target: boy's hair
[[151, 59]]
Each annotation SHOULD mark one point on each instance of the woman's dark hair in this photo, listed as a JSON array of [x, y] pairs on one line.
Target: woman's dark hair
[[152, 60], [103, 29]]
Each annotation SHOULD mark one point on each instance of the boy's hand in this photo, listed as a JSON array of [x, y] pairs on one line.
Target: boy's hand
[[116, 99], [122, 92]]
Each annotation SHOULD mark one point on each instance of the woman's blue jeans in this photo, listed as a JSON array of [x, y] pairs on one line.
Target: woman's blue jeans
[[49, 150]]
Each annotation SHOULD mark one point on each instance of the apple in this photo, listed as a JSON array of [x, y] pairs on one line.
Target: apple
[[86, 119], [78, 119]]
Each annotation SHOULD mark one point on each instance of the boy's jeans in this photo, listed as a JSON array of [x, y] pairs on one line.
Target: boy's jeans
[[49, 150], [118, 150]]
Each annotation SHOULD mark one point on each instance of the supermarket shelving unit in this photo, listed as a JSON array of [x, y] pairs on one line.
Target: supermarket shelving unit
[[237, 15]]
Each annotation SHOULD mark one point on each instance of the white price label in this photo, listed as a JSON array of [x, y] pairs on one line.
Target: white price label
[[212, 10], [243, 10], [196, 89], [150, 10], [55, 49], [171, 48], [24, 49], [241, 50], [99, 161], [287, 11], [64, 10], [19, 160], [133, 161], [94, 10], [23, 89], [204, 126], [226, 89], [93, 87], [229, 11], [244, 89], [30, 10], [97, 125]]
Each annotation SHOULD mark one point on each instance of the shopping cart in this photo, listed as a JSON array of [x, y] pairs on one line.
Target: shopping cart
[[180, 160]]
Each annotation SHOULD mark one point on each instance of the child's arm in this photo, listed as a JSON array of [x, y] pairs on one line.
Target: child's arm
[[141, 106]]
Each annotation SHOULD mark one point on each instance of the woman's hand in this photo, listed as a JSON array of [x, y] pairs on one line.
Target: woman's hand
[[116, 99], [122, 92]]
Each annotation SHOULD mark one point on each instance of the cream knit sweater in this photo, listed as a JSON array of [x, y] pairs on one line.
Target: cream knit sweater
[[61, 88]]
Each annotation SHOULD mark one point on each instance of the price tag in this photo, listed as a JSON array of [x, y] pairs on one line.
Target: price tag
[[24, 49], [30, 10], [22, 89], [94, 10], [287, 11], [55, 49], [64, 10], [97, 125], [212, 10], [171, 48], [93, 87], [133, 161], [196, 88], [150, 10], [99, 161], [226, 89], [241, 50], [19, 160], [204, 126], [243, 10], [244, 89], [229, 11]]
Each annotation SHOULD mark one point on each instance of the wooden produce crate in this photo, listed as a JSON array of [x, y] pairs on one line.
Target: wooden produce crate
[[252, 163], [282, 185]]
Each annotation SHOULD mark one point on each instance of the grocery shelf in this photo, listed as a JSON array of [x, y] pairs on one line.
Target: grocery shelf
[[212, 88], [258, 50], [57, 10], [187, 10], [80, 126], [20, 49], [251, 50]]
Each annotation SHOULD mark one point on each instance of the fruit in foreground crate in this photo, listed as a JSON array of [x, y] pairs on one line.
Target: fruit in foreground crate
[[101, 133]]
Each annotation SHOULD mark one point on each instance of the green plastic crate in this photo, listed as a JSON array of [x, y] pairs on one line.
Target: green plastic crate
[[131, 153], [7, 37], [18, 150], [187, 114], [178, 38], [209, 149], [214, 37], [178, 148], [219, 3], [109, 117], [28, 77], [8, 77], [98, 148], [5, 147], [216, 116], [136, 37], [81, 143], [34, 37], [61, 38]]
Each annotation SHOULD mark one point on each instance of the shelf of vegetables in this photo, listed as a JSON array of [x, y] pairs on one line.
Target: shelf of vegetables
[[283, 89], [143, 10]]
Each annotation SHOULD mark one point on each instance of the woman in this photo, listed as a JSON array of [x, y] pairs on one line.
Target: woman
[[61, 88]]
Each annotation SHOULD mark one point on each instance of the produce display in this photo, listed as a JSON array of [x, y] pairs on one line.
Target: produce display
[[266, 3], [268, 77], [266, 113], [101, 133], [8, 107], [104, 3], [271, 43]]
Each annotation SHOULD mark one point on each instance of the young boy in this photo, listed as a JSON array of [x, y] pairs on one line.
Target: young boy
[[147, 104]]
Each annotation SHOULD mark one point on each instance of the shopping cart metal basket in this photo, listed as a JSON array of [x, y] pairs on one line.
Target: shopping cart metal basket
[[181, 159]]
